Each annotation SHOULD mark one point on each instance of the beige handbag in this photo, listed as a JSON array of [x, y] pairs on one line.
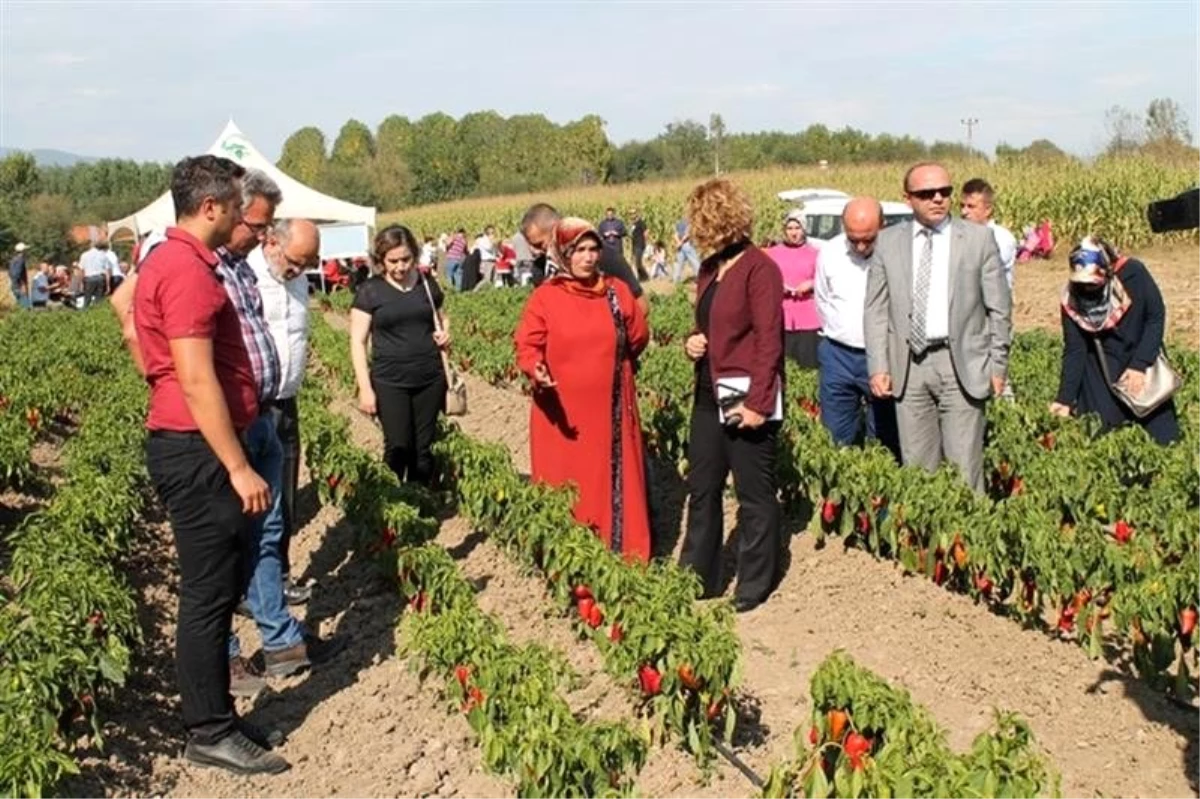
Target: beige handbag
[[456, 387], [1162, 381]]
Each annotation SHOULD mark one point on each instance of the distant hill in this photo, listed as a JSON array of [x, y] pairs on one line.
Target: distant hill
[[51, 157]]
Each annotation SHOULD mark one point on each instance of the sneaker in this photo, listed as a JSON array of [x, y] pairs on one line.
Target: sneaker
[[296, 594], [311, 651], [242, 681], [237, 753]]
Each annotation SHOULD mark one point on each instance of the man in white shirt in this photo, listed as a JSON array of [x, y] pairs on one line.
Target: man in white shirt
[[97, 272], [840, 290], [486, 244], [292, 246], [977, 201], [941, 360]]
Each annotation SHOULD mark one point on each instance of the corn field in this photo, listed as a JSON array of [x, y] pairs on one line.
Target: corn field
[[1108, 198]]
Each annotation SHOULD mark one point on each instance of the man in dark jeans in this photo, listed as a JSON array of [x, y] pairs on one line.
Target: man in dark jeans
[[203, 398], [637, 238]]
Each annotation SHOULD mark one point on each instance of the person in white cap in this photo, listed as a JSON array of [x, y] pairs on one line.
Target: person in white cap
[[18, 276]]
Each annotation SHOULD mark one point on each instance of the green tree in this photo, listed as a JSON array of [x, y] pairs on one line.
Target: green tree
[[716, 133], [354, 146], [1124, 133], [303, 155], [48, 228], [587, 150], [439, 169]]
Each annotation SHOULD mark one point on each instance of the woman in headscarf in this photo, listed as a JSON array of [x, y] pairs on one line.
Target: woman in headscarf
[[577, 340], [797, 260], [1112, 300]]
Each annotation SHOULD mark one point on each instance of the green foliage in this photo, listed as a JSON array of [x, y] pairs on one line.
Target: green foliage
[[303, 155], [354, 146]]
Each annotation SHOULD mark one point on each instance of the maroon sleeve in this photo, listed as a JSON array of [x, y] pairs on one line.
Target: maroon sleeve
[[764, 291]]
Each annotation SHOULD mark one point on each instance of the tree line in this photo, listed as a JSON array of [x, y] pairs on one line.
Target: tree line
[[438, 158]]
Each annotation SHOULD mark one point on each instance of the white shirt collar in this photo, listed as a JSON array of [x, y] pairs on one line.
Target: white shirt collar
[[941, 227]]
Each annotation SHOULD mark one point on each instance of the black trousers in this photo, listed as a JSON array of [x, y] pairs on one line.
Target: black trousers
[[638, 254], [210, 532], [713, 450], [409, 419], [286, 417], [93, 289]]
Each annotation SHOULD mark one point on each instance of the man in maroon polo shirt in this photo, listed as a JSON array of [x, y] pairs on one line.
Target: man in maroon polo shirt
[[202, 398]]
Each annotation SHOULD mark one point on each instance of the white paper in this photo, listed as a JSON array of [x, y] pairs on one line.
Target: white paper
[[726, 386]]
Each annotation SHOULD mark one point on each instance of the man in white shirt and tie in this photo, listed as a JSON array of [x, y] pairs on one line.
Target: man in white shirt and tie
[[977, 201], [292, 246], [941, 360], [840, 290]]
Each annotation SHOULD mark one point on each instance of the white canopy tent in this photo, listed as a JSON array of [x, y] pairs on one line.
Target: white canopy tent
[[299, 201]]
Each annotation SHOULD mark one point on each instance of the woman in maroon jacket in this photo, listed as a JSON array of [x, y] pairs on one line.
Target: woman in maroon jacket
[[738, 350]]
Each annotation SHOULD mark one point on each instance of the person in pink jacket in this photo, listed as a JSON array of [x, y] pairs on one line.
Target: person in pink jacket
[[797, 260]]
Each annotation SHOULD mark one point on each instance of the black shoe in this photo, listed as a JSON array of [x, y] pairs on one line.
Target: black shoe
[[743, 605], [237, 753], [267, 738], [296, 594]]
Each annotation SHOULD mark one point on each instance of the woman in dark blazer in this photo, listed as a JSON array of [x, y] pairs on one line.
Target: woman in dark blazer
[[738, 350], [1113, 301]]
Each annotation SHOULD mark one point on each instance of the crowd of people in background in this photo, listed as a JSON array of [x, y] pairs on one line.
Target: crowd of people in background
[[909, 327]]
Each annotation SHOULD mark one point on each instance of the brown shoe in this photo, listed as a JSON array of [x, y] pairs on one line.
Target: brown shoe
[[312, 649], [243, 682]]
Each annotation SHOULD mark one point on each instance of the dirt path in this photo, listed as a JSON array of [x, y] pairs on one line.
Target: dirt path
[[1108, 735], [363, 725]]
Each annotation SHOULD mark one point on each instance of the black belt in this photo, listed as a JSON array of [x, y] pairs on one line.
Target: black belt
[[932, 345], [177, 435]]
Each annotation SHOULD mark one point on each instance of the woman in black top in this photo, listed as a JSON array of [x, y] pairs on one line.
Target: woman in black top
[[1114, 302], [405, 383]]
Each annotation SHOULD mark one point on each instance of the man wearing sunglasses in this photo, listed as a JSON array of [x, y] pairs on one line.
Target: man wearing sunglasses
[[937, 325]]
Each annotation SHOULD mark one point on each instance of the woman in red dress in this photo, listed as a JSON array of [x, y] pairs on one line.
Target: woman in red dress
[[577, 340]]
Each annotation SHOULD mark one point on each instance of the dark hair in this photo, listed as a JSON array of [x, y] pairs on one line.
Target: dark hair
[[919, 165], [610, 208], [194, 179], [390, 238], [540, 215], [979, 186]]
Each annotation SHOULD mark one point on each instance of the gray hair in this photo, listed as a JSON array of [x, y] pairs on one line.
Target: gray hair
[[282, 231], [256, 183]]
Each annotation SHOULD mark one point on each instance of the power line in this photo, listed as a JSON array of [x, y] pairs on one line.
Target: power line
[[970, 123]]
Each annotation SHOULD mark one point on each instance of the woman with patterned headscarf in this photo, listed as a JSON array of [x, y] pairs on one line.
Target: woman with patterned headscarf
[[1112, 301], [577, 339]]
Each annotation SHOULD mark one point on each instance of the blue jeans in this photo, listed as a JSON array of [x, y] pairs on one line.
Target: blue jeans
[[18, 290], [686, 253], [454, 273], [262, 562], [845, 396]]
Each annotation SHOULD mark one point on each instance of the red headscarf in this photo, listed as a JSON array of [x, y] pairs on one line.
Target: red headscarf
[[563, 240]]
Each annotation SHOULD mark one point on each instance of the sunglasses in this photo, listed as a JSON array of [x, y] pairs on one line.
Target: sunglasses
[[929, 194]]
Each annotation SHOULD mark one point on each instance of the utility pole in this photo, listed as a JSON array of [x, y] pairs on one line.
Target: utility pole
[[970, 123]]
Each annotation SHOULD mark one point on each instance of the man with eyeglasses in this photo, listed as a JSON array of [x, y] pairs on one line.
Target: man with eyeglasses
[[288, 647], [848, 409], [938, 325], [292, 246], [538, 225]]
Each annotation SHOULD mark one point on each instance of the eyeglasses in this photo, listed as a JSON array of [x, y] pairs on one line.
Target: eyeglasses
[[257, 228], [297, 266], [929, 194]]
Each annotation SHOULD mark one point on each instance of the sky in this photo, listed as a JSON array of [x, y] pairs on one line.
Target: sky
[[158, 80]]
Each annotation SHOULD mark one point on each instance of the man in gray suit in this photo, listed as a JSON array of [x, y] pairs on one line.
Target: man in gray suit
[[937, 325]]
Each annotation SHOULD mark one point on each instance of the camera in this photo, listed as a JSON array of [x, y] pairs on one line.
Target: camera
[[1181, 212]]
